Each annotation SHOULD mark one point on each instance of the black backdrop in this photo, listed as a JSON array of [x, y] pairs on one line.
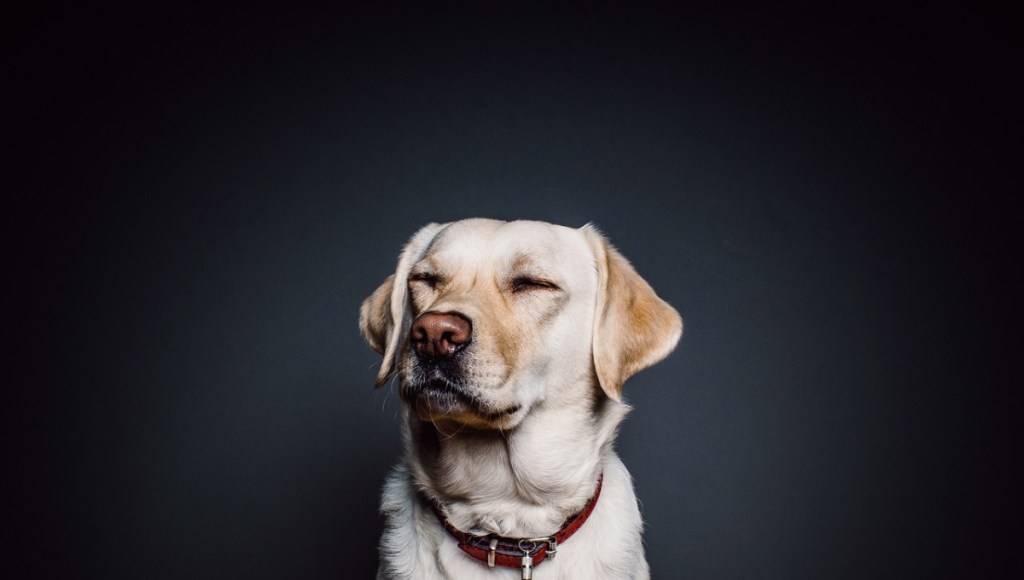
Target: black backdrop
[[200, 198]]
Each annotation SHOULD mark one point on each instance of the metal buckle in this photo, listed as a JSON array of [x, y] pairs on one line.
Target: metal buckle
[[551, 541]]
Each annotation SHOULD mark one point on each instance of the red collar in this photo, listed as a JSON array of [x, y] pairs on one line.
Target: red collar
[[497, 550]]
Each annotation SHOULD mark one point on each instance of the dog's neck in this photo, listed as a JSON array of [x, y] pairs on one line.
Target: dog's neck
[[522, 482]]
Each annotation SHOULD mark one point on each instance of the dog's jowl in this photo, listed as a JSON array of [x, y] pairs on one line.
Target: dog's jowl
[[511, 342]]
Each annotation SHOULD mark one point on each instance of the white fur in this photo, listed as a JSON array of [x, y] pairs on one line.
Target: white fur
[[523, 473]]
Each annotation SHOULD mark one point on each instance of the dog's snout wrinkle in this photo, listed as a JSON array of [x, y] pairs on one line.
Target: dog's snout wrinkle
[[439, 335]]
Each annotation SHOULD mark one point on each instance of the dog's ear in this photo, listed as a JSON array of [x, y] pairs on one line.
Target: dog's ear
[[633, 327], [374, 316], [385, 316]]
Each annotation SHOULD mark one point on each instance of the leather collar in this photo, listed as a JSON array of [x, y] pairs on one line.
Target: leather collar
[[496, 550]]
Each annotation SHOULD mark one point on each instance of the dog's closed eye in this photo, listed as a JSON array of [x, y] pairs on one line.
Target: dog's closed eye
[[530, 283], [430, 279]]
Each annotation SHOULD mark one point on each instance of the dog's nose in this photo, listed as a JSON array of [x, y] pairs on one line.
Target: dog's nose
[[440, 334]]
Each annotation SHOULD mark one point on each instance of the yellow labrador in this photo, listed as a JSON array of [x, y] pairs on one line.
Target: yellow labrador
[[511, 341]]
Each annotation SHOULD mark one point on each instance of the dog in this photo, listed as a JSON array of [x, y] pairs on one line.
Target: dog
[[511, 342]]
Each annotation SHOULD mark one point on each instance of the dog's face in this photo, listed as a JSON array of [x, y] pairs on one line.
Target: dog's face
[[484, 320]]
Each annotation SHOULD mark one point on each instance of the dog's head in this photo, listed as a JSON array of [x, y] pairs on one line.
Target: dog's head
[[485, 319]]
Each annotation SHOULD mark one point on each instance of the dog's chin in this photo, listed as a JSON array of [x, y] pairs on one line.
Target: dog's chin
[[440, 401]]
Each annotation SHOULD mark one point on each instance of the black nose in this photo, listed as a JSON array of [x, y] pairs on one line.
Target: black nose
[[439, 335]]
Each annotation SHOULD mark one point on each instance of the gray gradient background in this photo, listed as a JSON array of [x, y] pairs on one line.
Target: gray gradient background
[[204, 197]]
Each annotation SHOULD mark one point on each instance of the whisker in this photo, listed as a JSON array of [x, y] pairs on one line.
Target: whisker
[[457, 431]]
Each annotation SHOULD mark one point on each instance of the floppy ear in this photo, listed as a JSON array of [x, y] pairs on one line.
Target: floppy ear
[[385, 317], [374, 316], [633, 328]]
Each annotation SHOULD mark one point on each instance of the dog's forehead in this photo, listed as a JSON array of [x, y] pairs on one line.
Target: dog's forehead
[[520, 243]]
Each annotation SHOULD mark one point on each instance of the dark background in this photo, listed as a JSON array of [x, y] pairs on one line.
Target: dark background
[[200, 198]]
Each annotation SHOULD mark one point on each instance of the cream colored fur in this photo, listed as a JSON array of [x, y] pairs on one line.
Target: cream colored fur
[[545, 368]]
